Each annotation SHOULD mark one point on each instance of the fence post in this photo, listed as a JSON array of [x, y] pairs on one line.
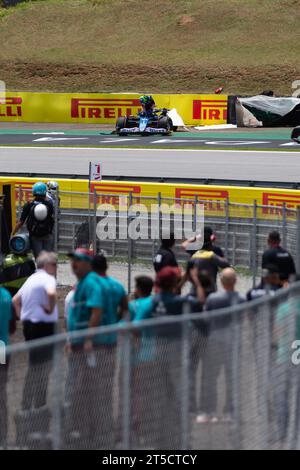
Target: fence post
[[254, 244], [185, 380], [20, 197], [234, 249], [57, 397], [129, 245], [95, 223], [159, 216], [265, 364], [89, 216], [293, 408], [195, 214], [284, 234], [236, 380], [56, 222], [73, 236], [226, 228], [126, 387]]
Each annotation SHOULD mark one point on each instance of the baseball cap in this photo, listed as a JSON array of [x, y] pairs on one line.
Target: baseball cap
[[81, 254]]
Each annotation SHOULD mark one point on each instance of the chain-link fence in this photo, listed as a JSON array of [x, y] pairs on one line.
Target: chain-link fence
[[241, 229], [143, 385]]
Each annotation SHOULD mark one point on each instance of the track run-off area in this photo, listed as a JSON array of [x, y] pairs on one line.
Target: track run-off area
[[244, 139], [237, 155], [155, 163]]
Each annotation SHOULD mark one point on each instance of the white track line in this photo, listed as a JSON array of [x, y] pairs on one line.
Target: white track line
[[134, 149]]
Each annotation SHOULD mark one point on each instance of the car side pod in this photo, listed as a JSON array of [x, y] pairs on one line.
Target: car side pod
[[296, 134]]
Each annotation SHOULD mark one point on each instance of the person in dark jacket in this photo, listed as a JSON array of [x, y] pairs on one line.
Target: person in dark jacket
[[38, 215], [165, 255], [278, 256]]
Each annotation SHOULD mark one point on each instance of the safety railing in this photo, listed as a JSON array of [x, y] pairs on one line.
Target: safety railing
[[143, 385], [241, 229]]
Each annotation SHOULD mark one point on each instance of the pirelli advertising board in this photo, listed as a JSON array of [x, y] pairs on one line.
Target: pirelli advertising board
[[270, 201], [106, 108]]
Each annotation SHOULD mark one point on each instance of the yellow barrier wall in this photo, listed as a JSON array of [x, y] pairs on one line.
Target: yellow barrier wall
[[106, 108], [215, 196]]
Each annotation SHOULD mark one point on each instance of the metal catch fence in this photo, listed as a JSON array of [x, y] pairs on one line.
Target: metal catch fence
[[143, 384], [241, 229]]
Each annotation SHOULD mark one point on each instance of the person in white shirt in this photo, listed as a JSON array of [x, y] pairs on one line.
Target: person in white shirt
[[35, 304]]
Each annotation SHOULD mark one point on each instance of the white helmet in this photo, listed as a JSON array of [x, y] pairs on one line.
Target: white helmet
[[52, 186], [40, 212]]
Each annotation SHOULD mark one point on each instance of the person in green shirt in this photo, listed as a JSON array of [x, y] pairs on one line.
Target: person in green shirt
[[140, 308], [5, 315], [94, 355], [118, 294], [6, 327], [89, 302], [144, 369]]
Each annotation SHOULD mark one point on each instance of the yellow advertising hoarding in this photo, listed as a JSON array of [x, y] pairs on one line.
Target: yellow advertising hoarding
[[106, 108], [214, 197]]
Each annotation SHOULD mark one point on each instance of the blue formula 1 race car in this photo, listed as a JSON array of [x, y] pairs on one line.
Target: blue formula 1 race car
[[158, 122], [148, 121]]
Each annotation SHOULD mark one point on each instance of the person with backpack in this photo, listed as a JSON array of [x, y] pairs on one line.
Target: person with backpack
[[38, 215]]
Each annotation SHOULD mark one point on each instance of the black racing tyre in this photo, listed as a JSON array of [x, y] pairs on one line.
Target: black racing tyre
[[165, 122], [121, 123]]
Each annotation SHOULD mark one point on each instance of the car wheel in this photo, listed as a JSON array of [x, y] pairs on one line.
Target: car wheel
[[121, 124], [165, 122]]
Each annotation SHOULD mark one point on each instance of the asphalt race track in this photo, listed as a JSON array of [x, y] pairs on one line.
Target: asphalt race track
[[177, 140], [277, 166], [240, 154]]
